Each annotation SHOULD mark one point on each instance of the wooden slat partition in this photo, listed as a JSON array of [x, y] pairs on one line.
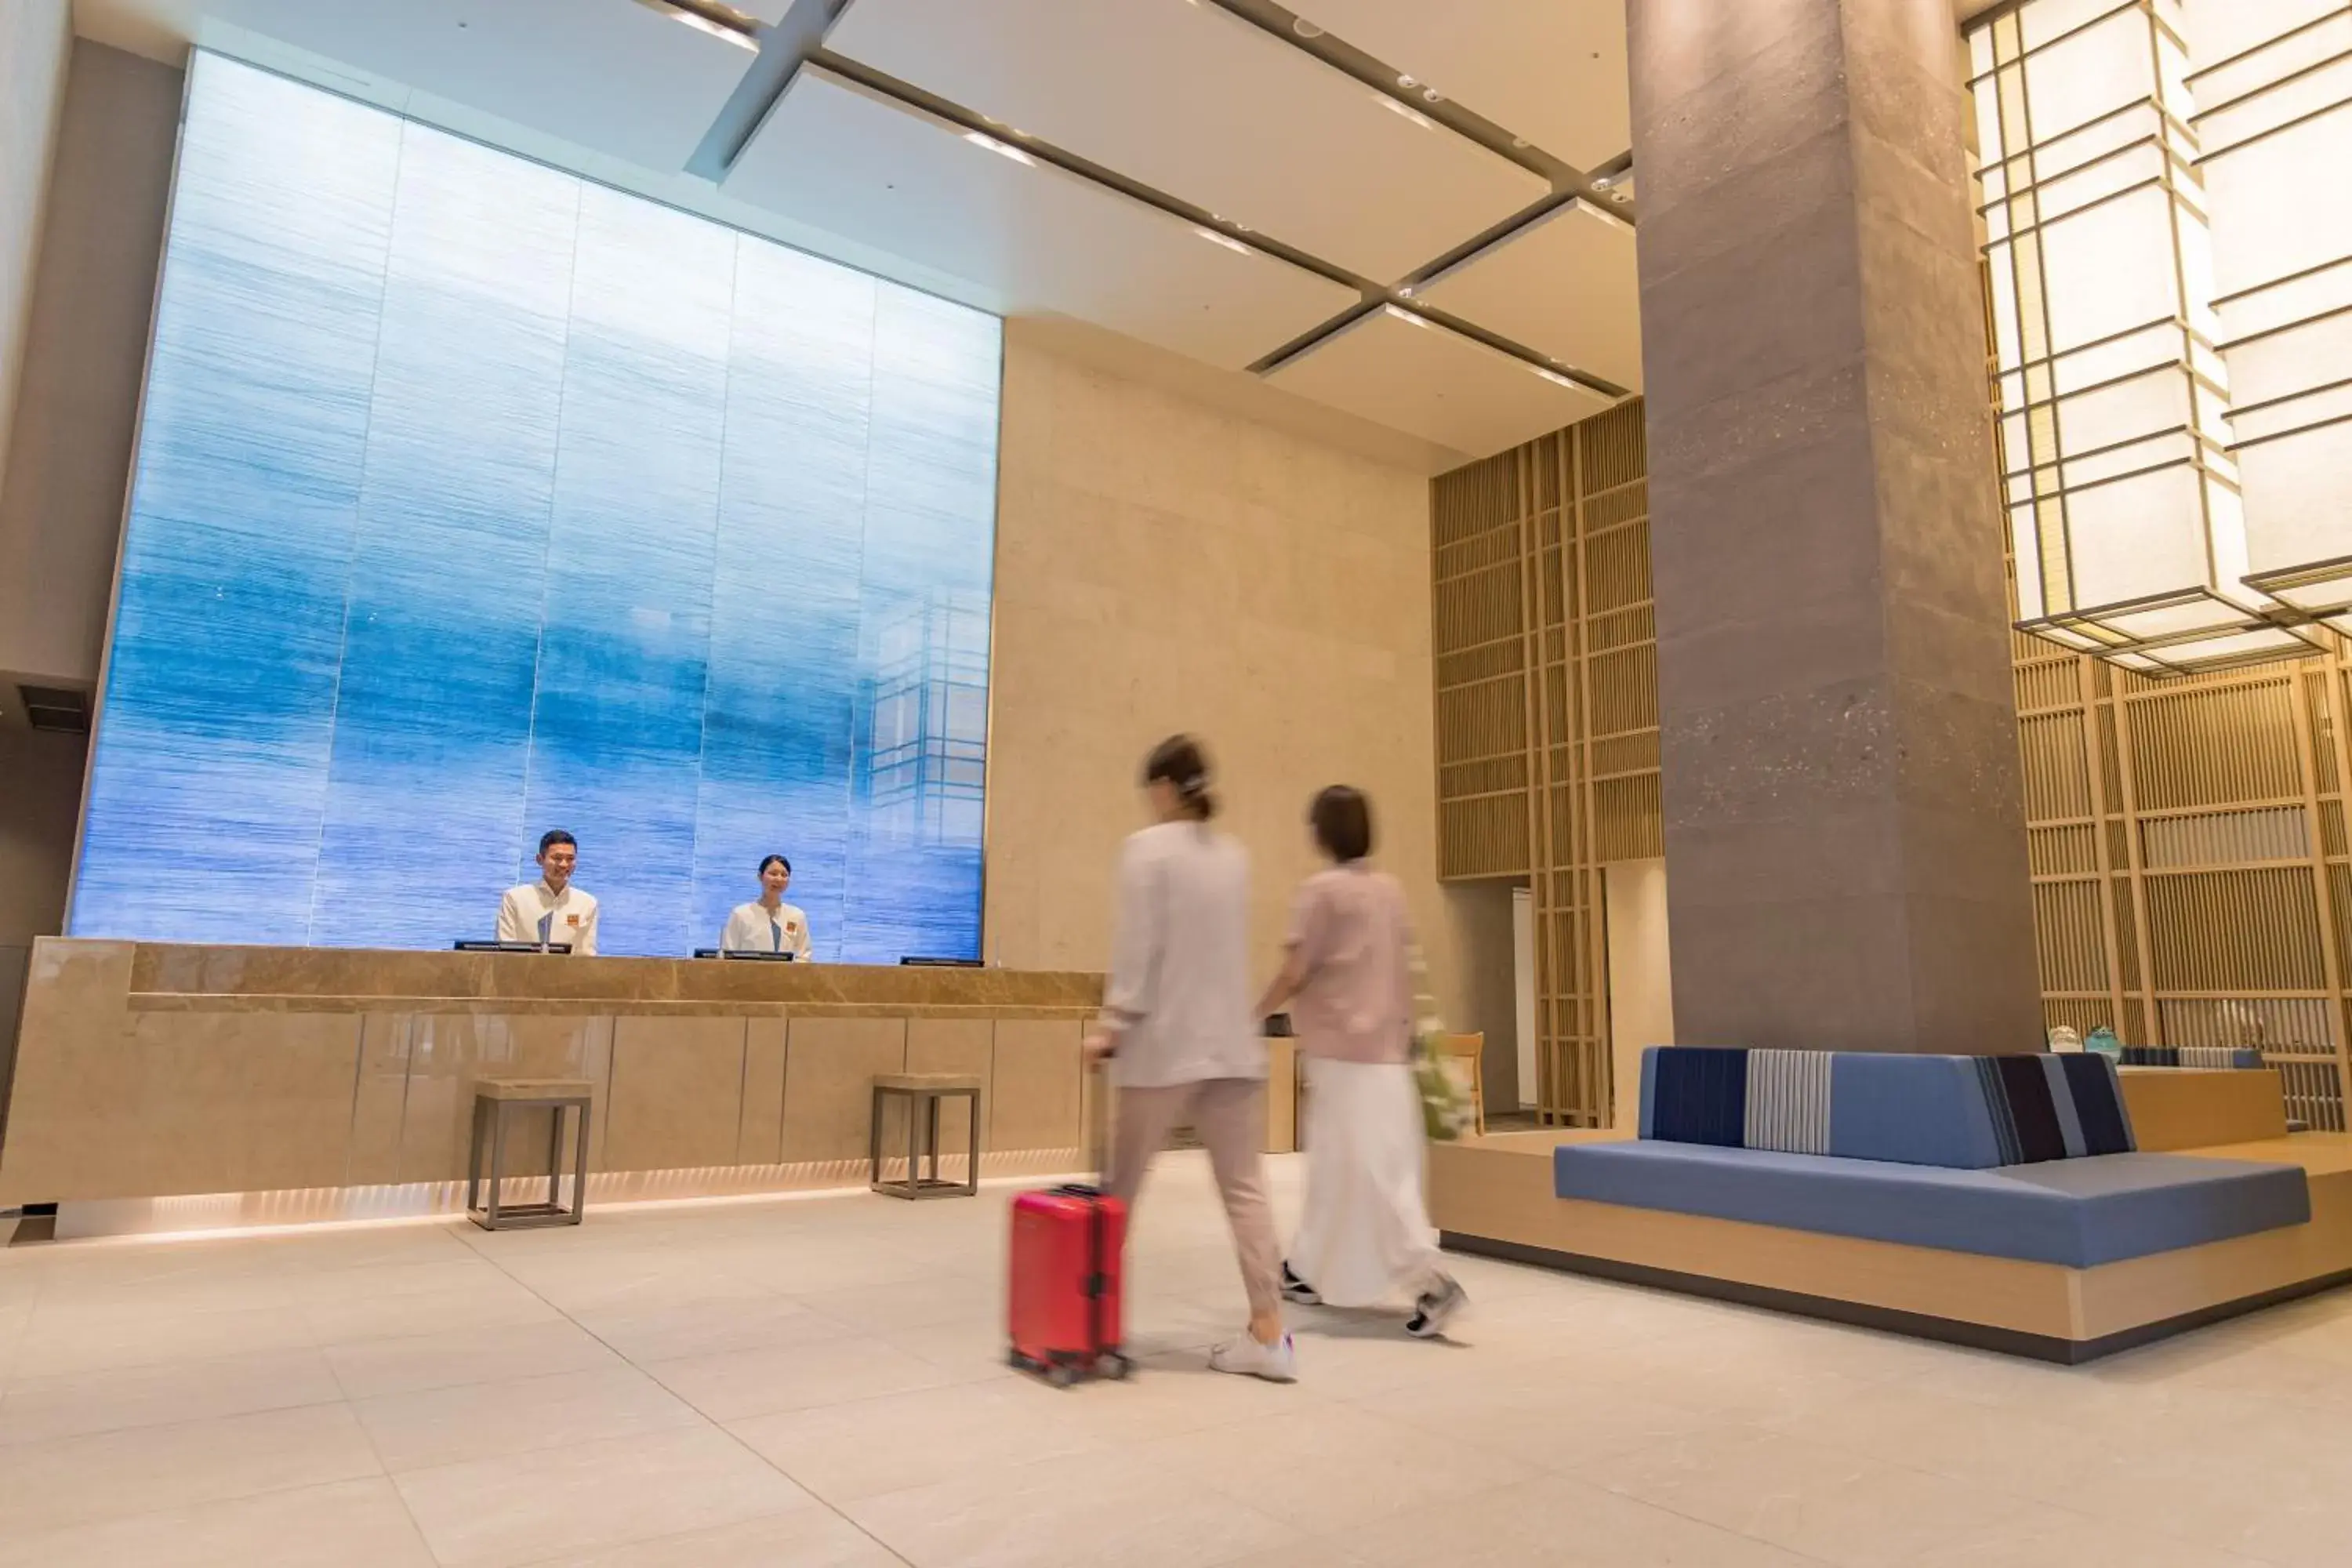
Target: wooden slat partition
[[2192, 872]]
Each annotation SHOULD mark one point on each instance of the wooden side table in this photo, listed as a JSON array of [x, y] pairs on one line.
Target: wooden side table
[[922, 1091], [495, 1102]]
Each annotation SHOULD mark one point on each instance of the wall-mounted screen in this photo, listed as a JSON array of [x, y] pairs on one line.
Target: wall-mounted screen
[[474, 498]]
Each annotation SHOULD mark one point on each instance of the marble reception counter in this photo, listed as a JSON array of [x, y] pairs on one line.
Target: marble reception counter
[[148, 1071]]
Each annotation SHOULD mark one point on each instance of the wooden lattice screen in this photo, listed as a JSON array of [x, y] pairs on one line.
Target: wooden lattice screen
[[2192, 875]]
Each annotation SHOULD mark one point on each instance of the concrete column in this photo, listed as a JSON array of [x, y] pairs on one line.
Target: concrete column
[[1844, 827]]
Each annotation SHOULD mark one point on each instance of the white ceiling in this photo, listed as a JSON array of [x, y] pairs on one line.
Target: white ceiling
[[1038, 239], [1551, 70], [1142, 128], [1512, 287], [1400, 369], [1194, 101]]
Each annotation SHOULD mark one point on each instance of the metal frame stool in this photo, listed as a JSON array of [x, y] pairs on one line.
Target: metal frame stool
[[494, 1100], [922, 1092]]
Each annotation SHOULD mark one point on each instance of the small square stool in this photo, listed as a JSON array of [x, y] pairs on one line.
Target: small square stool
[[495, 1101], [922, 1092]]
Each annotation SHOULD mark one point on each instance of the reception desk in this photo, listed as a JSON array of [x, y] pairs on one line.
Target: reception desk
[[232, 1084]]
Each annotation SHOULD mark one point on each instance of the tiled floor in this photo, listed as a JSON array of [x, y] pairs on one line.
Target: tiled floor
[[820, 1382]]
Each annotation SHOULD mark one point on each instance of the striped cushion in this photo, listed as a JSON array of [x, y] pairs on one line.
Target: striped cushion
[[1789, 1102], [1961, 1112], [1695, 1094]]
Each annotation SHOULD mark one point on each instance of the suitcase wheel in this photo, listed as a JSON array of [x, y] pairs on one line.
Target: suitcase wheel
[[1114, 1366], [1061, 1374]]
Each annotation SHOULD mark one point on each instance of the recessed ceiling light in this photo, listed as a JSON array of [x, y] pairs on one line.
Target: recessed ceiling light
[[1407, 81], [1520, 142], [1620, 196], [1431, 95], [1601, 183], [999, 148], [1305, 29]]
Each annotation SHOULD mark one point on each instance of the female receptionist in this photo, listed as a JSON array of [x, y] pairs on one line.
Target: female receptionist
[[768, 924]]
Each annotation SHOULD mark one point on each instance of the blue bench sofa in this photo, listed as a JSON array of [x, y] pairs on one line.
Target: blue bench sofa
[[2026, 1157]]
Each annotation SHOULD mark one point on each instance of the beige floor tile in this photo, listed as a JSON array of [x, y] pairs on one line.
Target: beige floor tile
[[809, 1538], [737, 1385], [1321, 1469], [45, 1408], [1840, 1508], [48, 1486], [945, 1299], [349, 1524], [476, 1420], [1537, 1414], [517, 1509], [368, 1368], [865, 1448], [712, 1327], [62, 1344], [636, 1281], [449, 1276], [491, 1301], [1555, 1521], [1092, 1509]]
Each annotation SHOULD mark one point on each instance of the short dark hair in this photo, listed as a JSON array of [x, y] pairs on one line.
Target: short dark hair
[[1180, 760], [553, 836], [1343, 823], [776, 860]]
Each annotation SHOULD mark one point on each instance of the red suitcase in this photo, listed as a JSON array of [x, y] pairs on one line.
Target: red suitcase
[[1065, 1319]]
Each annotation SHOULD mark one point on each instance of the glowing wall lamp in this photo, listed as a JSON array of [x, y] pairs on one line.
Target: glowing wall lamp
[[2129, 533], [2274, 120]]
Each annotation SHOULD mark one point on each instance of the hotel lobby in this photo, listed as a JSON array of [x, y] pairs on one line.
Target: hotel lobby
[[585, 591]]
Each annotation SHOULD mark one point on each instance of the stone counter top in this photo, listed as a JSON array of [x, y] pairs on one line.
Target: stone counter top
[[163, 975]]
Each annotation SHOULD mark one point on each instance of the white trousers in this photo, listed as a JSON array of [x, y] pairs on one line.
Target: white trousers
[[1365, 1239]]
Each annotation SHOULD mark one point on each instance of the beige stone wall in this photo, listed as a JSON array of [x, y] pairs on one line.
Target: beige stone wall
[[1165, 566], [35, 38]]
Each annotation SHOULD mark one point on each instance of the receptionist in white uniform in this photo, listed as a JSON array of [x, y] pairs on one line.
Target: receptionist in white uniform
[[768, 924], [551, 909]]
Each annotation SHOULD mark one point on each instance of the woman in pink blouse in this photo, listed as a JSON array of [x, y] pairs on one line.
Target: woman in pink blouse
[[1365, 1237]]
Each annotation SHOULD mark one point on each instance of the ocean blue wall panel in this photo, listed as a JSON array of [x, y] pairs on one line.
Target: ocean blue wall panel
[[785, 611], [616, 728], [473, 499], [229, 623], [432, 724]]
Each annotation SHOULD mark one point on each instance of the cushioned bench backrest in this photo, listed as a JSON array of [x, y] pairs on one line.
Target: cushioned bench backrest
[[1963, 1112], [2222, 1057]]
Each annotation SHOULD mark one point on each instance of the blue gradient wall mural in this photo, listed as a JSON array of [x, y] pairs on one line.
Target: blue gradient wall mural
[[473, 499]]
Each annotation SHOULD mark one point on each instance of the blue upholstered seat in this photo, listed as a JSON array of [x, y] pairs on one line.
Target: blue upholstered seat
[[2080, 1212]]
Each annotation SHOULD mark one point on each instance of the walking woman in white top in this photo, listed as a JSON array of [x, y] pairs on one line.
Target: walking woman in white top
[[1176, 1028], [768, 924], [1365, 1239]]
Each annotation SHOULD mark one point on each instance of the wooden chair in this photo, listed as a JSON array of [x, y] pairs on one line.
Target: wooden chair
[[1471, 1048]]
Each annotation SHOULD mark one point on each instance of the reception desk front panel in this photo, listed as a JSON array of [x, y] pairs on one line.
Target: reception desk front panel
[[151, 1070]]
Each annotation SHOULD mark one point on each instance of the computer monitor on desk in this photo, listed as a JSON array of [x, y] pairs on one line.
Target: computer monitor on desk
[[916, 962], [753, 954], [464, 945]]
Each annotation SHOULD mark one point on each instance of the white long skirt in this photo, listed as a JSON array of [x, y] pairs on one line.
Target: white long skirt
[[1365, 1239]]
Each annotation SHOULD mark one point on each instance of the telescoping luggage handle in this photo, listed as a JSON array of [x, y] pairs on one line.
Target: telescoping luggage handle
[[1098, 1280]]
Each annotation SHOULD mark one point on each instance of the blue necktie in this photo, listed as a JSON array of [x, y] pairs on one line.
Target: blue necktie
[[778, 932], [547, 928]]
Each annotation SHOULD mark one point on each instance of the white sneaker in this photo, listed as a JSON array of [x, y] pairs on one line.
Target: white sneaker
[[1436, 1307], [1276, 1362]]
